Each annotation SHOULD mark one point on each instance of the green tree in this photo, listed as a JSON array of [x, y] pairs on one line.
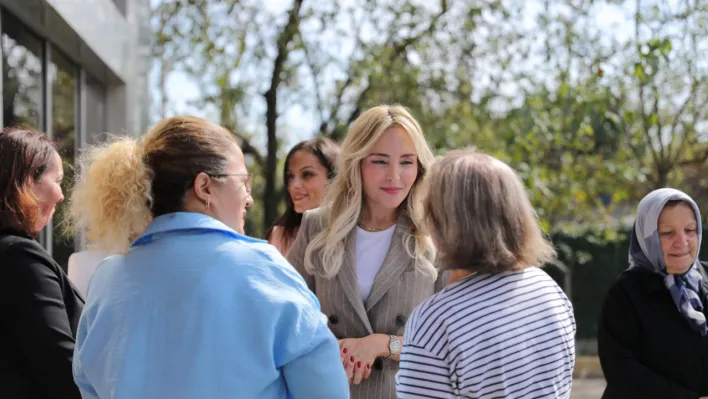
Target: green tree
[[590, 118]]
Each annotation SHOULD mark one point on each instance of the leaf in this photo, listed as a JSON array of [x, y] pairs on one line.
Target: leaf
[[639, 72]]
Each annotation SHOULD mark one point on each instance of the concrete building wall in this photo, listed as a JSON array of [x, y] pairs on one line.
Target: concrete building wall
[[77, 70]]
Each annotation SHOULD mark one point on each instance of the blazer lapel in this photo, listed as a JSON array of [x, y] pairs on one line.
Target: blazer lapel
[[397, 260], [347, 277]]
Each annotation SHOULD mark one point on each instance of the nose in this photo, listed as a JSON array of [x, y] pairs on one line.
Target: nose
[[681, 239], [249, 201], [392, 172], [295, 182]]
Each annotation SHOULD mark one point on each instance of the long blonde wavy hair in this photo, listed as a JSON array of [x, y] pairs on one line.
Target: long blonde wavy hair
[[344, 199]]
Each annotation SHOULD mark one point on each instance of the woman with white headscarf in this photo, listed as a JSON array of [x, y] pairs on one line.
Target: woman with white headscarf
[[653, 336]]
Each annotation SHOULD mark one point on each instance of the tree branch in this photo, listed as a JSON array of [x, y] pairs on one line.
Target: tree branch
[[684, 135], [398, 48], [350, 76], [315, 80], [642, 108], [244, 141], [696, 160], [627, 130], [682, 108], [249, 149]]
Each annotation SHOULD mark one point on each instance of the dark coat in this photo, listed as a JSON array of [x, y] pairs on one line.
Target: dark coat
[[647, 348], [41, 310]]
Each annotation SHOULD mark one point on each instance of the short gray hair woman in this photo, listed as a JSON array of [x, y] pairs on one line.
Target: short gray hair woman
[[652, 336], [503, 327]]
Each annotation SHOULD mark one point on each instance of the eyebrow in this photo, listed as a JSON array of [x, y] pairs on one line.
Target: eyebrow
[[660, 226], [290, 171], [380, 154]]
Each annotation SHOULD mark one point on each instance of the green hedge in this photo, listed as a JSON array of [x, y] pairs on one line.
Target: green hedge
[[594, 265]]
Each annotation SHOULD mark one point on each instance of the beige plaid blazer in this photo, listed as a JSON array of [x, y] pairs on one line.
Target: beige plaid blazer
[[397, 289]]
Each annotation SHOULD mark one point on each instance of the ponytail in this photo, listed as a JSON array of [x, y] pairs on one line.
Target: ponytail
[[109, 201]]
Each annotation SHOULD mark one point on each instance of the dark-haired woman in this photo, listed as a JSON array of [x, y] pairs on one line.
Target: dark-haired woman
[[309, 166], [40, 307]]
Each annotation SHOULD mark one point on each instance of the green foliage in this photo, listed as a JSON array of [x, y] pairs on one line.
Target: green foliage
[[590, 120], [592, 117]]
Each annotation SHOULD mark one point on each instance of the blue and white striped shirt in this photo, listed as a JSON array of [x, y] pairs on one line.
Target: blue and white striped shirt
[[509, 335]]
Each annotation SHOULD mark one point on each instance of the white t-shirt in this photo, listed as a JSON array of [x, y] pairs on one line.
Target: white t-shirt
[[371, 249], [81, 267]]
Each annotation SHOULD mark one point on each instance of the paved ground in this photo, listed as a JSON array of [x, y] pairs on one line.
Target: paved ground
[[587, 388]]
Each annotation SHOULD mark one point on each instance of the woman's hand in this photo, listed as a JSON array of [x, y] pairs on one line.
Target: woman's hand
[[358, 354]]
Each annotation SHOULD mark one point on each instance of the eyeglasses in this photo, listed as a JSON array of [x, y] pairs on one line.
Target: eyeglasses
[[248, 182]]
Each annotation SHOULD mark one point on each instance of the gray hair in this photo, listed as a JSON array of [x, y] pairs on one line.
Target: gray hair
[[480, 217]]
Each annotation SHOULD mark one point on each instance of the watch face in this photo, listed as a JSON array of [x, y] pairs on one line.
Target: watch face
[[395, 346]]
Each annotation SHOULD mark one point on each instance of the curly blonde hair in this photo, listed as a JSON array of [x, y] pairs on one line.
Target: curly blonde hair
[[344, 198], [110, 195], [122, 184]]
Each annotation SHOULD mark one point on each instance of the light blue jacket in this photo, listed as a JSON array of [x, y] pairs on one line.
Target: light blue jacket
[[196, 311]]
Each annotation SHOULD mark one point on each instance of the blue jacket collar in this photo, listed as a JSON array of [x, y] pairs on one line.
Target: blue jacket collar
[[187, 221]]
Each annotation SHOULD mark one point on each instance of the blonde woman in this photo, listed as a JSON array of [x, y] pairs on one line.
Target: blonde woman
[[191, 308], [363, 251], [96, 210]]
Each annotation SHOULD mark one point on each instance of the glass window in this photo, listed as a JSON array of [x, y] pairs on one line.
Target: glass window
[[21, 75], [95, 112], [62, 77]]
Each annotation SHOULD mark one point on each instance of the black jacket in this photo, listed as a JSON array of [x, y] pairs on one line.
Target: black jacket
[[40, 313], [647, 348]]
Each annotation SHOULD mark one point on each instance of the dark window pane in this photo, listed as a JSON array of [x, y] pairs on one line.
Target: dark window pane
[[95, 112], [21, 75], [62, 77]]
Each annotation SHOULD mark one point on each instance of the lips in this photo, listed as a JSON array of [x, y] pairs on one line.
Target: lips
[[392, 190], [298, 198]]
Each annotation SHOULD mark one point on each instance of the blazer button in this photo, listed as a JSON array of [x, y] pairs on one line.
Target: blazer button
[[378, 364], [401, 320], [334, 319]]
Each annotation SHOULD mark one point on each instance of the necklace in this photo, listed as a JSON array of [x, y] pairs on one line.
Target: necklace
[[372, 229]]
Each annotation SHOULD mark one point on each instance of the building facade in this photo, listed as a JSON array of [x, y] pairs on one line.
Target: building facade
[[78, 71]]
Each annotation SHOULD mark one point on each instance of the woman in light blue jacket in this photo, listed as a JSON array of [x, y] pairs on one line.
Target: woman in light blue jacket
[[192, 308]]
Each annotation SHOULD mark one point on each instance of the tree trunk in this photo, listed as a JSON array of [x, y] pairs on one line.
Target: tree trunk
[[270, 198]]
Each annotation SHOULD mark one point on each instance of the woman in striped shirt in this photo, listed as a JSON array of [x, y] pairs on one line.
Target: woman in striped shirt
[[502, 328]]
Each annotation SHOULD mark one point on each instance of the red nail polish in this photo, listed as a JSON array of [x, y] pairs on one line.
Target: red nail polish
[[368, 367], [352, 359], [345, 351], [358, 365]]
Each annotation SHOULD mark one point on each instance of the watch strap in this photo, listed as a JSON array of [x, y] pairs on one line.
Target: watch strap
[[392, 338]]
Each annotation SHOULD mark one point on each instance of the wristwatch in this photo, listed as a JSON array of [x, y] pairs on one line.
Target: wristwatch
[[394, 346]]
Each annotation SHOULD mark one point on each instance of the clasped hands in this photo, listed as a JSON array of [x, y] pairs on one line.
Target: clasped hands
[[358, 355]]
